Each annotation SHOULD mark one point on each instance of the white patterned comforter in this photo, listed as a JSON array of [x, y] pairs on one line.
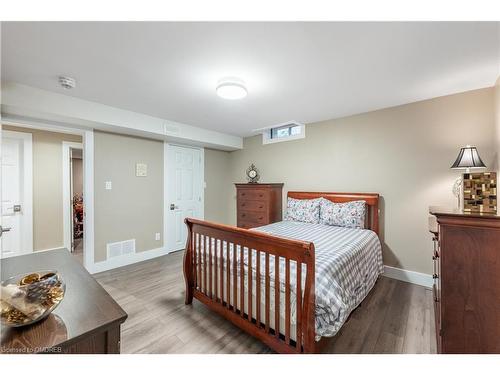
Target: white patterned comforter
[[348, 263]]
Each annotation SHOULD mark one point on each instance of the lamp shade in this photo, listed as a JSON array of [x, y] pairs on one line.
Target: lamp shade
[[468, 157]]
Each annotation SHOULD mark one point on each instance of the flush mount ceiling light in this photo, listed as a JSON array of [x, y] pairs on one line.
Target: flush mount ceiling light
[[231, 88]]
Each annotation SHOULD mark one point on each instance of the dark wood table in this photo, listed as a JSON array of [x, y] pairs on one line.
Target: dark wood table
[[86, 321]]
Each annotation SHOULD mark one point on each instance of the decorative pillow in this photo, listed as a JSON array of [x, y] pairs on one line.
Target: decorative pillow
[[349, 214], [305, 210]]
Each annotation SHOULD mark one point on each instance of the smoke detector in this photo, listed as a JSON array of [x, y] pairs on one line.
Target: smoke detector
[[67, 82]]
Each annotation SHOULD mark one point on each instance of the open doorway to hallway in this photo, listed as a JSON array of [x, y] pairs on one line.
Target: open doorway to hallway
[[42, 178], [73, 173]]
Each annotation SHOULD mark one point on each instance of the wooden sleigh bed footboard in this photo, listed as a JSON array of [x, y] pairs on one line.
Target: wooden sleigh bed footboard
[[234, 272]]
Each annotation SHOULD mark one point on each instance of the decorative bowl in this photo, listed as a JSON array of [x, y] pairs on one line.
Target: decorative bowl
[[26, 299]]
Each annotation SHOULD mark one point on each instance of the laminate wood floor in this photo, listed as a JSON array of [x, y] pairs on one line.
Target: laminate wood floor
[[396, 317]]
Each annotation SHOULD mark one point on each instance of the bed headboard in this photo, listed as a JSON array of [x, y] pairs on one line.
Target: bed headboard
[[371, 199]]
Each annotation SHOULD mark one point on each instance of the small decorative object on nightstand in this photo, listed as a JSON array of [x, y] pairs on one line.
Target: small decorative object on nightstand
[[253, 174], [467, 158], [480, 192]]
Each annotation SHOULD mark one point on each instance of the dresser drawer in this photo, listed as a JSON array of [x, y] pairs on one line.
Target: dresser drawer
[[253, 194], [247, 205], [248, 225], [253, 217]]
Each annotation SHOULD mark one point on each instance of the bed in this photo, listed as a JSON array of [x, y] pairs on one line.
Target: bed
[[292, 305]]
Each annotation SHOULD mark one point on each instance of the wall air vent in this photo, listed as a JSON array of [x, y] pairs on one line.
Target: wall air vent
[[116, 249], [170, 128]]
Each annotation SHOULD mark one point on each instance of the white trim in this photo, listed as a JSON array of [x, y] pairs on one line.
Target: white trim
[[166, 146], [413, 277], [289, 123], [88, 200], [125, 260], [165, 195], [27, 203], [202, 187], [66, 196]]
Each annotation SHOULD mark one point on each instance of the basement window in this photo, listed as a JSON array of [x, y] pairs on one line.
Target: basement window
[[283, 132]]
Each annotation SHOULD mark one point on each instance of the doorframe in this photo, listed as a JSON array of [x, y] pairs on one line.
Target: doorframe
[[166, 148], [27, 204], [88, 177], [66, 188], [88, 200]]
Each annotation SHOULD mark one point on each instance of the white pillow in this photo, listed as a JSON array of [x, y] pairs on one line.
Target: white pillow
[[304, 210], [348, 215]]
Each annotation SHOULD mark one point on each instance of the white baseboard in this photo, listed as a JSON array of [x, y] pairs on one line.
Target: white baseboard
[[125, 260], [413, 277]]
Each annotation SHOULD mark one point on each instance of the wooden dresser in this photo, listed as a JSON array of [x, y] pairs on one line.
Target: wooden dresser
[[87, 320], [466, 281], [258, 204]]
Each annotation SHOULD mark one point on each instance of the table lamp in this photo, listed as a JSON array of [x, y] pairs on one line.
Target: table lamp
[[467, 158]]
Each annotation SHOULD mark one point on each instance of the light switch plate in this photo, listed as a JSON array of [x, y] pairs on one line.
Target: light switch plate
[[108, 185], [157, 237], [141, 170]]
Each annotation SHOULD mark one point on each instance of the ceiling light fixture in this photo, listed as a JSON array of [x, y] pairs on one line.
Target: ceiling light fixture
[[231, 88]]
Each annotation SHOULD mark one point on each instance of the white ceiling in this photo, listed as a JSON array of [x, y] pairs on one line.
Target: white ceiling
[[294, 71]]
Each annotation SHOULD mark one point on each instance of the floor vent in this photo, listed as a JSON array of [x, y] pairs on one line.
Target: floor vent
[[116, 249]]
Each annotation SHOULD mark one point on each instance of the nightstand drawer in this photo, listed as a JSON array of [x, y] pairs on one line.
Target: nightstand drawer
[[247, 205]]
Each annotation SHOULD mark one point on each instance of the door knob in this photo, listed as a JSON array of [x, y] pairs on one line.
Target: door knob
[[2, 229]]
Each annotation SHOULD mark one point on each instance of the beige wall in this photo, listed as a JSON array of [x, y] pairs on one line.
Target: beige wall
[[404, 153], [219, 186], [47, 186], [134, 206]]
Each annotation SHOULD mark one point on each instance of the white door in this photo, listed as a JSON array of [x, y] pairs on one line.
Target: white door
[[184, 171], [16, 196]]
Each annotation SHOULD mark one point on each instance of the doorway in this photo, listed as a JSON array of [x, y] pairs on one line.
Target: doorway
[[73, 199], [184, 192], [16, 201]]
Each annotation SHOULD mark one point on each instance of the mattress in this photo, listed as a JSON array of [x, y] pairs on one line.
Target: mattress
[[348, 263]]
